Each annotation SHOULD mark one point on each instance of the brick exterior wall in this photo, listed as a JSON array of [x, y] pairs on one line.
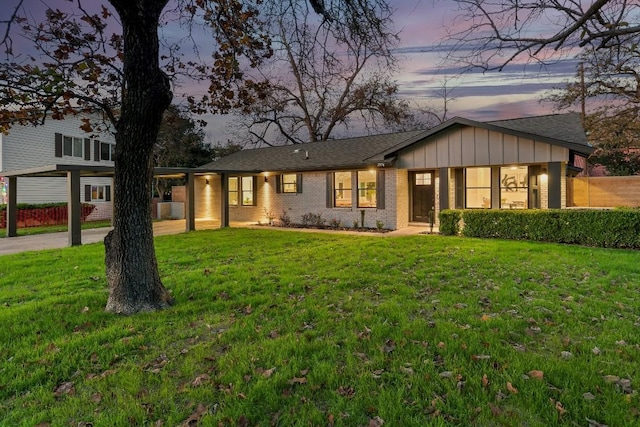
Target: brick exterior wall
[[311, 200]]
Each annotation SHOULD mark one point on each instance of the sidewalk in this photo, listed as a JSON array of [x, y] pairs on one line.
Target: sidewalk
[[37, 242]]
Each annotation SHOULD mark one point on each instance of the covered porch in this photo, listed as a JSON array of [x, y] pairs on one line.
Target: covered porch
[[72, 175]]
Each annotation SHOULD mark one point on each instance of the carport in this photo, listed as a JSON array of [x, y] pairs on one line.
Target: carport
[[73, 173]]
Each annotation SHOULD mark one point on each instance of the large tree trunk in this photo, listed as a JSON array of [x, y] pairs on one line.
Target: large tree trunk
[[131, 266]]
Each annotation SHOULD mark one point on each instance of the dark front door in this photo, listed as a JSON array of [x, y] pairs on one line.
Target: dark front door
[[423, 196]]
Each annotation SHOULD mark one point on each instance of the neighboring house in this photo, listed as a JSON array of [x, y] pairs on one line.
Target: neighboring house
[[57, 142], [402, 178]]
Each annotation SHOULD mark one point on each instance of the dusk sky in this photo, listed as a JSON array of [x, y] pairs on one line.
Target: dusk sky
[[490, 96]]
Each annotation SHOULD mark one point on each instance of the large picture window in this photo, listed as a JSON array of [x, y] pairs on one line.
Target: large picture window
[[514, 187], [478, 188], [342, 189], [367, 189]]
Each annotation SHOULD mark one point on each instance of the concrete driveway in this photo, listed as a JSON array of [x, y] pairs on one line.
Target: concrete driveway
[[37, 242]]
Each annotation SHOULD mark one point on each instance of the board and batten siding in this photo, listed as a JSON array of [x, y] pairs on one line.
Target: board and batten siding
[[467, 146]]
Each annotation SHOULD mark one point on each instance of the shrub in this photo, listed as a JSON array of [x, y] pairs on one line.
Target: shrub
[[334, 223], [379, 224], [450, 222], [313, 220], [285, 219], [603, 228]]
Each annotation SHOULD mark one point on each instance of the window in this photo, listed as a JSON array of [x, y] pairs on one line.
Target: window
[[106, 151], [233, 191], [514, 187], [478, 188], [367, 189], [423, 178], [289, 183], [97, 193], [247, 191], [342, 189], [72, 147]]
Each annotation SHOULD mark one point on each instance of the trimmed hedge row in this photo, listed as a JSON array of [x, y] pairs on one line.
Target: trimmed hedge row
[[3, 207], [618, 228]]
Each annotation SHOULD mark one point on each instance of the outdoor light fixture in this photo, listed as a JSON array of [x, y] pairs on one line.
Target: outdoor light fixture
[[206, 181], [266, 178]]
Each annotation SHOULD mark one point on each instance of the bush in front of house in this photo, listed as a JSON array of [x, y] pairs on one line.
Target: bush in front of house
[[617, 228], [450, 222]]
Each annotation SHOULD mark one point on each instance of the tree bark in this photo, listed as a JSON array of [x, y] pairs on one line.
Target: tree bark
[[131, 266]]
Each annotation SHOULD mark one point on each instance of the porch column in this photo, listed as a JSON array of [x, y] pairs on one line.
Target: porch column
[[443, 175], [189, 204], [74, 208], [224, 200], [554, 184], [12, 207]]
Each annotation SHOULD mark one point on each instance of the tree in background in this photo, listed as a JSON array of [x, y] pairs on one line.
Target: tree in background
[[604, 35], [181, 143], [321, 81], [607, 87], [76, 65]]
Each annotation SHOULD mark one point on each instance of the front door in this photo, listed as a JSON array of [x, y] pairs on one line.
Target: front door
[[423, 196]]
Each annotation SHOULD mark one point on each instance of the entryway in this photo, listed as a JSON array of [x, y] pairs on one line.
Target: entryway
[[423, 196]]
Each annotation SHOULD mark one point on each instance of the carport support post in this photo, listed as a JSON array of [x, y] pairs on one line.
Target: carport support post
[[189, 204], [74, 208], [12, 207], [224, 200]]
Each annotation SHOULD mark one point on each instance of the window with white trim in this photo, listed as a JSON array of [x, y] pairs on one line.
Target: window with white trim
[[72, 147], [478, 188]]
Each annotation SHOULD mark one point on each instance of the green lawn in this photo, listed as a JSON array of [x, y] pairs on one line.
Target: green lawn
[[289, 328]]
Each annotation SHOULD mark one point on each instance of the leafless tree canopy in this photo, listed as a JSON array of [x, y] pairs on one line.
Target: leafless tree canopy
[[320, 78], [489, 34]]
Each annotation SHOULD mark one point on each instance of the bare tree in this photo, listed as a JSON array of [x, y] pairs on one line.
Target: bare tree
[[489, 34], [78, 65], [320, 80]]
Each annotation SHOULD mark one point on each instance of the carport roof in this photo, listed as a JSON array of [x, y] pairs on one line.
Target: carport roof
[[60, 170]]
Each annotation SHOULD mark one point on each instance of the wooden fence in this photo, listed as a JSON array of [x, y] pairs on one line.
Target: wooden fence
[[603, 191]]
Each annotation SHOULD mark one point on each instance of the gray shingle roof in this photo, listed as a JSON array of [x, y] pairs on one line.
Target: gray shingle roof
[[323, 155], [564, 127], [559, 129]]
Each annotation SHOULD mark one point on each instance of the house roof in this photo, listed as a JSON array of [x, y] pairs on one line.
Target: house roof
[[558, 129], [322, 155]]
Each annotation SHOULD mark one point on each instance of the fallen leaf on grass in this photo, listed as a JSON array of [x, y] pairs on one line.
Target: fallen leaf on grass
[[346, 391], [511, 388], [64, 388], [96, 398], [588, 396], [496, 411], [536, 375], [375, 422], [596, 351], [594, 423], [611, 379], [480, 357], [559, 407], [157, 364], [194, 418], [389, 346], [199, 380], [485, 381], [295, 380], [265, 372]]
